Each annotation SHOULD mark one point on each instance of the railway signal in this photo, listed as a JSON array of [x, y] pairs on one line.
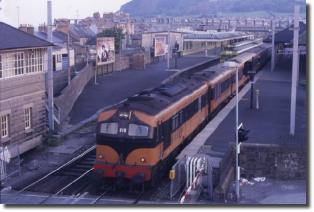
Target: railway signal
[[243, 135]]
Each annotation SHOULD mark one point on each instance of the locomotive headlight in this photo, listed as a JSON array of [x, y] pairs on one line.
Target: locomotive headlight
[[142, 160], [100, 156]]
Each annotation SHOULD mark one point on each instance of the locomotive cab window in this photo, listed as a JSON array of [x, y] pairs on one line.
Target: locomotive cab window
[[138, 130], [109, 128]]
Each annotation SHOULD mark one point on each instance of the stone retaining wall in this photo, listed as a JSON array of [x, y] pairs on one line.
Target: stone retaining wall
[[282, 162], [121, 63], [69, 95], [273, 161]]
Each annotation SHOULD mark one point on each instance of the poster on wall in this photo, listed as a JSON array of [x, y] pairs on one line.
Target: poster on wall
[[105, 50], [160, 46]]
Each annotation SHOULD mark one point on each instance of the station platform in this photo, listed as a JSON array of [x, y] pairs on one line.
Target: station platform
[[116, 86], [270, 124]]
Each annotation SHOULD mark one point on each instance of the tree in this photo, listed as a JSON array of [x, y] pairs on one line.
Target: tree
[[115, 32]]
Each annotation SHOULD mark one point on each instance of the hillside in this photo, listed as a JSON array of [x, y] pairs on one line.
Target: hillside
[[207, 7]]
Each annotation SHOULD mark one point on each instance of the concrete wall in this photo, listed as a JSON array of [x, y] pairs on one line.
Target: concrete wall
[[69, 95]]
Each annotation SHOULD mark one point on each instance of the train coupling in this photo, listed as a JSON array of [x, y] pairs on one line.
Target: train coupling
[[138, 182]]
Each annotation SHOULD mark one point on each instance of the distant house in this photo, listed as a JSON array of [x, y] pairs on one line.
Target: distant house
[[60, 60], [60, 53], [79, 34], [23, 65]]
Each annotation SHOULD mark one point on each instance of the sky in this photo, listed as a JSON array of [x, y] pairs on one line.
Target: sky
[[34, 11]]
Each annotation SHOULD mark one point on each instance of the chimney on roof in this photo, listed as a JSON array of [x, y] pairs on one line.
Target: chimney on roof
[[62, 25], [42, 28], [96, 15], [27, 28]]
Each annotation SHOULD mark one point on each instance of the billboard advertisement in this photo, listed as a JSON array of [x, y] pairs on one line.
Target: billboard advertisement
[[105, 50], [160, 46]]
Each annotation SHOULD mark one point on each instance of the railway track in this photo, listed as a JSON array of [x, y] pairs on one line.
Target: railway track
[[63, 178]]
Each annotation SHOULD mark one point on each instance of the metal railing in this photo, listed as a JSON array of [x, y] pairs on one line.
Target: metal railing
[[190, 176], [179, 180]]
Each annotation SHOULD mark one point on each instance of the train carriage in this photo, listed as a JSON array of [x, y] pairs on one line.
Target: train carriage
[[138, 138]]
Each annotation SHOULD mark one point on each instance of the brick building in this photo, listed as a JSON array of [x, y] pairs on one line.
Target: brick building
[[23, 65]]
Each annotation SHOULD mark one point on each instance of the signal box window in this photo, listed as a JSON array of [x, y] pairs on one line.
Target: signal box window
[[4, 126], [28, 118]]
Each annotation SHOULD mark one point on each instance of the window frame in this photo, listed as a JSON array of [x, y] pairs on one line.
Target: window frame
[[4, 126], [19, 63], [28, 112], [138, 126], [107, 123]]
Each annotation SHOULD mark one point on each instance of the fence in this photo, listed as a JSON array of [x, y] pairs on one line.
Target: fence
[[9, 166], [192, 174], [179, 180]]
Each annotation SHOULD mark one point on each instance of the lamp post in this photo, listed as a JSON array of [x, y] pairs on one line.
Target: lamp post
[[50, 71], [235, 65], [273, 53], [295, 69], [273, 47], [169, 50]]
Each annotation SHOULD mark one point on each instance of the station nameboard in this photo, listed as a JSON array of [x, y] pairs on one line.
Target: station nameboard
[[105, 50]]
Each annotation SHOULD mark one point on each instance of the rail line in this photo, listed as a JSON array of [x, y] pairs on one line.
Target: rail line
[[76, 167]]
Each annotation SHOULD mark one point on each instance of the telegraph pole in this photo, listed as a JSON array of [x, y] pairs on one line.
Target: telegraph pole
[[295, 68], [18, 16], [169, 49], [69, 65], [237, 136], [273, 46], [235, 65], [50, 71]]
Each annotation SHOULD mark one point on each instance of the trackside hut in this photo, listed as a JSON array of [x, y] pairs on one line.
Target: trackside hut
[[23, 65]]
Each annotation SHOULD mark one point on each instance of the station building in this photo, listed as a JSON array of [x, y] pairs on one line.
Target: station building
[[23, 98], [191, 42], [197, 41], [148, 39]]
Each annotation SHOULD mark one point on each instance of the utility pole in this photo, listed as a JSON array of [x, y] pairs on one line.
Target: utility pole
[[237, 136], [18, 16], [295, 68], [50, 72], [273, 46], [169, 49], [96, 68], [235, 65], [69, 55]]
